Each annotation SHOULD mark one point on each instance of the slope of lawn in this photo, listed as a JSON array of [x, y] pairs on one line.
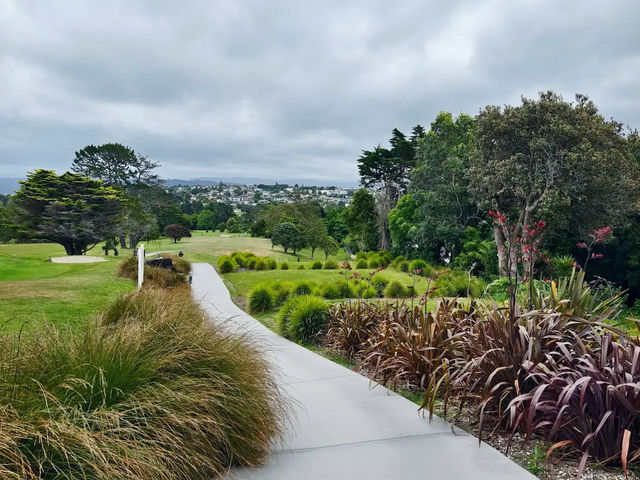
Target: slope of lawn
[[33, 289]]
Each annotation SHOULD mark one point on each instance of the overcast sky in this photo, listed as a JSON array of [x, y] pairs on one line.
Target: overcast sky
[[289, 89]]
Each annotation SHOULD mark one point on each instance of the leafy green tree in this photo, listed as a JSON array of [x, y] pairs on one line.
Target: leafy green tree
[[439, 187], [74, 211], [551, 158], [361, 220], [329, 246], [177, 232], [259, 228], [334, 220], [288, 236], [403, 225], [115, 164], [206, 220], [387, 172], [314, 231]]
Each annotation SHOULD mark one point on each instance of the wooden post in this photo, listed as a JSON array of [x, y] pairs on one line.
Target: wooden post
[[140, 265]]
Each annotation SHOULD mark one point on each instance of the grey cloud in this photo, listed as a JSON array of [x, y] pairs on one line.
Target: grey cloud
[[288, 89]]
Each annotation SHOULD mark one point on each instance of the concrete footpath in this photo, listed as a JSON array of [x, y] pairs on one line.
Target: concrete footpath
[[344, 429]]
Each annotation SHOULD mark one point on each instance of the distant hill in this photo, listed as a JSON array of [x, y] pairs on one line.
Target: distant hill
[[257, 180], [9, 185]]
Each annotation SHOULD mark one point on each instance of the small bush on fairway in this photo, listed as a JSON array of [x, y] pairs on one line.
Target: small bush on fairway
[[282, 291], [226, 264], [362, 263], [317, 265], [303, 288], [271, 263], [307, 319], [300, 267], [403, 266], [374, 262], [284, 266], [151, 391], [261, 299], [395, 290], [251, 262], [261, 264], [153, 276], [418, 265], [328, 290], [330, 265]]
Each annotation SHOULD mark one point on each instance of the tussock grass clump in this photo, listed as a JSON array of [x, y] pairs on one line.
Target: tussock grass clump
[[282, 291], [303, 288], [151, 391], [330, 265], [395, 290], [261, 299], [304, 318], [227, 264], [260, 264], [316, 265], [284, 266], [362, 263], [153, 276]]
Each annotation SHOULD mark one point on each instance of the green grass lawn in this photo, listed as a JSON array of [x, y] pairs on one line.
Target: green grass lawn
[[33, 290]]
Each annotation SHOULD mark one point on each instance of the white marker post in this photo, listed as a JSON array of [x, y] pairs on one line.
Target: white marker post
[[140, 265]]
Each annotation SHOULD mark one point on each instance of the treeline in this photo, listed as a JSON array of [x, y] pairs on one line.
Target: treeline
[[552, 174]]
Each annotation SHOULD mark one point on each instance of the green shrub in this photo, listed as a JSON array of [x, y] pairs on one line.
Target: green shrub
[[301, 267], [251, 263], [362, 263], [308, 319], [395, 290], [261, 299], [271, 263], [154, 388], [226, 264], [418, 265], [317, 265], [282, 291], [328, 290], [284, 266], [330, 265], [303, 288], [239, 258], [345, 290], [261, 264], [364, 291], [374, 262], [379, 282], [403, 266], [385, 258], [361, 255], [282, 322], [398, 260]]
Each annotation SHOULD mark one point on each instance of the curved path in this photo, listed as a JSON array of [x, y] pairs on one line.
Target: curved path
[[345, 430]]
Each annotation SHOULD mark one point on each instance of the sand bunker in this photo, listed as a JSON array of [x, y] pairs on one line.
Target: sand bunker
[[78, 259]]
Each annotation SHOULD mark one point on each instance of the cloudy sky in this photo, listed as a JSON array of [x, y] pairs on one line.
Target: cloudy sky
[[289, 89]]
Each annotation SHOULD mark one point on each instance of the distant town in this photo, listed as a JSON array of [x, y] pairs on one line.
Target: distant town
[[251, 195]]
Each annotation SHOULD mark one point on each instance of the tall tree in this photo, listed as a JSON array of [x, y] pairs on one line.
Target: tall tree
[[74, 211], [386, 171], [547, 155], [361, 220], [439, 187], [289, 236], [115, 164], [120, 166]]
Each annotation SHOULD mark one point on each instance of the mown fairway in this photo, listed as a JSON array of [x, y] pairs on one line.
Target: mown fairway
[[33, 289]]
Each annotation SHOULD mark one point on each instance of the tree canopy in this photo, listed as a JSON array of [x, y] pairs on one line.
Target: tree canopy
[[72, 210]]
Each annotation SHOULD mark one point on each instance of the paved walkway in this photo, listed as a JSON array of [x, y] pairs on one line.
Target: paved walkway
[[344, 429]]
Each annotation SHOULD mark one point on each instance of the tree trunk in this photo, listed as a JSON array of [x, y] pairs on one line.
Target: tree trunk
[[123, 241], [503, 254], [313, 249]]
